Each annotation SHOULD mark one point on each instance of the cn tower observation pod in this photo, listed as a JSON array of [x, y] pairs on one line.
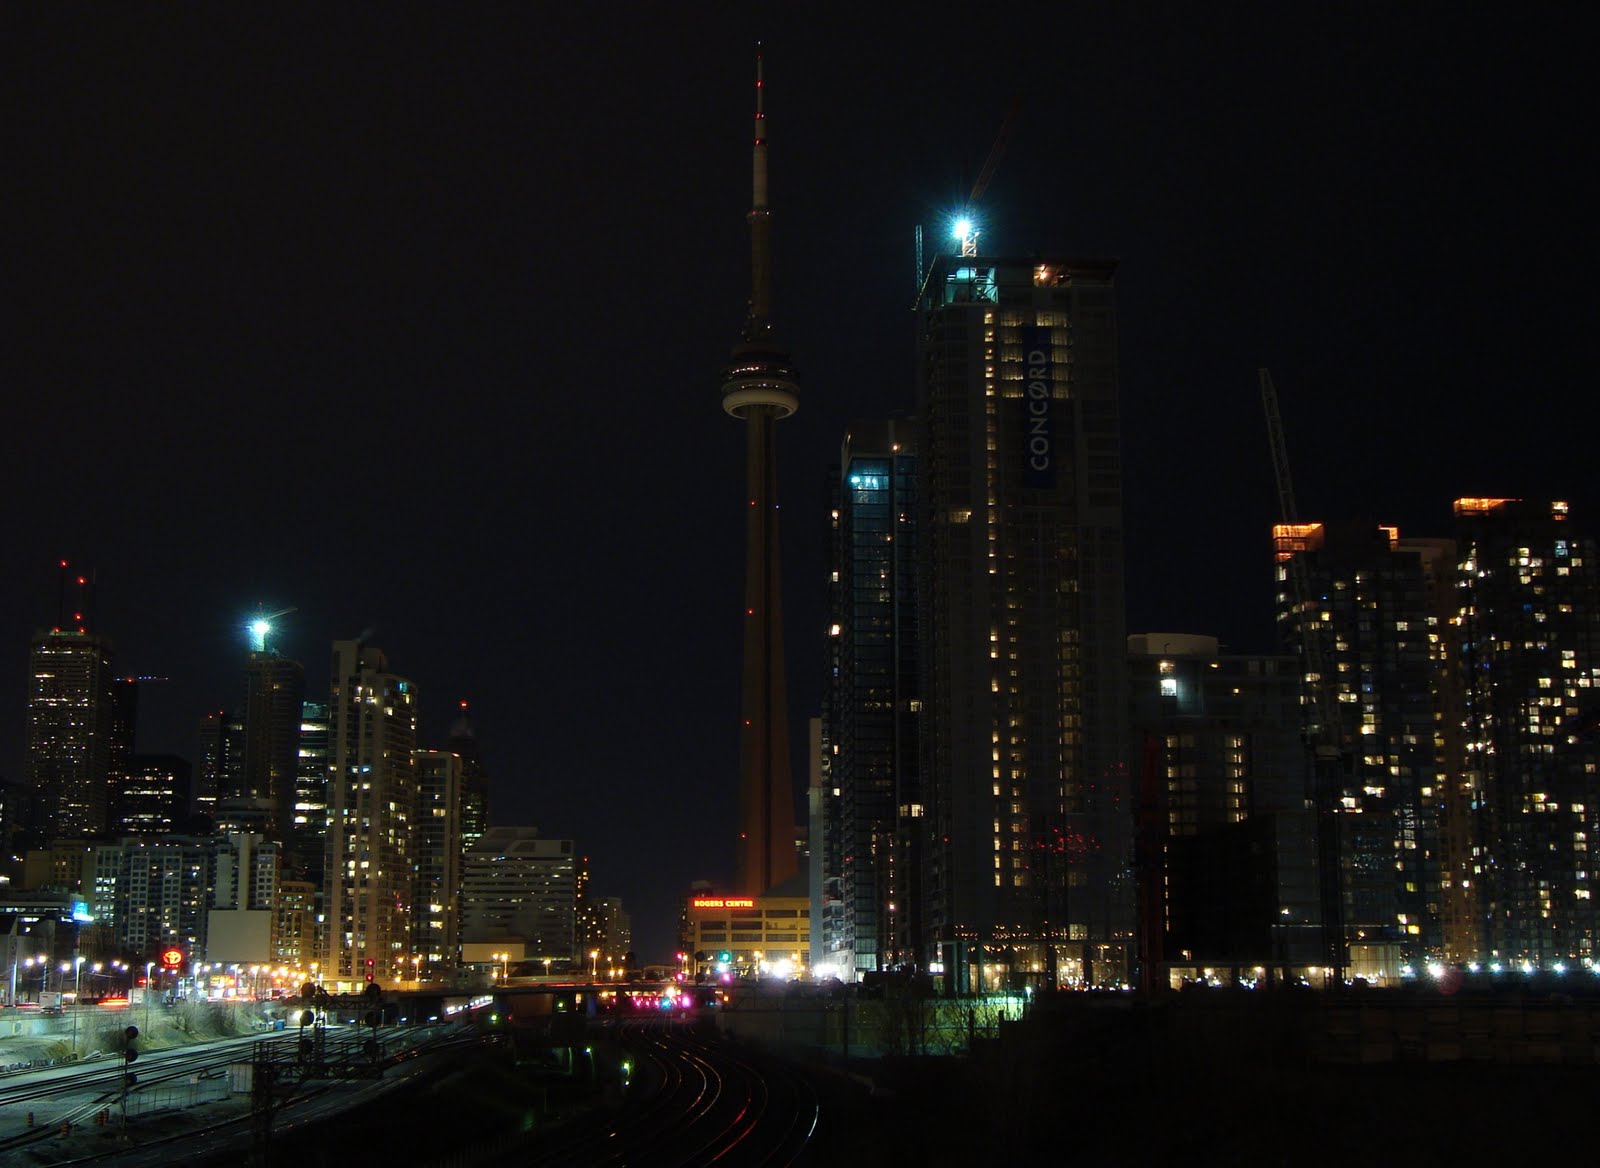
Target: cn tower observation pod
[[759, 376]]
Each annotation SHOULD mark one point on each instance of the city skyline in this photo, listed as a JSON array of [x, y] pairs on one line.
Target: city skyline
[[388, 323]]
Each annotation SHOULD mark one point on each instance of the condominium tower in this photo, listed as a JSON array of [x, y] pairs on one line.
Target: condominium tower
[[1027, 875], [368, 870]]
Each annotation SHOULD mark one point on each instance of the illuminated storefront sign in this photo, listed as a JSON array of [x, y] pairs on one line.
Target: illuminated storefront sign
[[722, 902]]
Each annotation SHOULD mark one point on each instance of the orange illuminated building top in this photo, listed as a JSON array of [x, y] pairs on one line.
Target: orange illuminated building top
[[1480, 506], [1288, 538]]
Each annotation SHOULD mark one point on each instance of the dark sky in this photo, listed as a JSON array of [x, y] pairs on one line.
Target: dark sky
[[414, 319]]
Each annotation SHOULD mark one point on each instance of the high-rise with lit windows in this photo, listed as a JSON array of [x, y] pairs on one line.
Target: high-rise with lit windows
[[274, 694], [368, 870], [1027, 876], [71, 717], [872, 705], [1529, 635], [438, 843], [1379, 792]]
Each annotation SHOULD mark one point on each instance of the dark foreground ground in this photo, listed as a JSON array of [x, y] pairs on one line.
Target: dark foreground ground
[[1121, 1088]]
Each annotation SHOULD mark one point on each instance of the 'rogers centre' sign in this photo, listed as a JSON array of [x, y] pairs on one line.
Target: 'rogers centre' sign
[[722, 902]]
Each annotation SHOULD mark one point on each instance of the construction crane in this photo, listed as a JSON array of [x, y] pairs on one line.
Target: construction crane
[[1320, 702], [261, 626], [965, 227]]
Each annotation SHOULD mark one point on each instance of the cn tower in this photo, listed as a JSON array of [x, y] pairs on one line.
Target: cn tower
[[759, 389]]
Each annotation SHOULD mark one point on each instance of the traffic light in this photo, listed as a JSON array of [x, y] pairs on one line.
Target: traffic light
[[129, 1054], [369, 969], [725, 957]]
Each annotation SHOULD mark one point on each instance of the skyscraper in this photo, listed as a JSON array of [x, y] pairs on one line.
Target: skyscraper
[[1027, 873], [872, 702], [71, 714], [221, 762], [474, 813], [759, 388], [274, 692], [1372, 610], [1529, 634], [372, 808], [438, 846]]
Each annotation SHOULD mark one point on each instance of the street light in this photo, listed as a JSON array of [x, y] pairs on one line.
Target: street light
[[148, 966], [77, 995], [594, 964]]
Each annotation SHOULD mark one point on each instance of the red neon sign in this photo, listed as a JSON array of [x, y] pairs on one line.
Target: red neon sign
[[171, 958]]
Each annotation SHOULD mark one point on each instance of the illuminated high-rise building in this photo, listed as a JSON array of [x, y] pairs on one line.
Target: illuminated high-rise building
[[872, 706], [759, 388], [150, 795], [274, 694], [370, 856], [71, 715], [1528, 627], [220, 765], [438, 846], [474, 813], [1373, 612], [1027, 874]]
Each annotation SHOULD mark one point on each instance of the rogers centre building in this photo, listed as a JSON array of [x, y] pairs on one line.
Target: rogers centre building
[[731, 937]]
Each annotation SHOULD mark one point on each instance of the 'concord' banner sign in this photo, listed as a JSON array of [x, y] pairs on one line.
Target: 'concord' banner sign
[[1039, 455]]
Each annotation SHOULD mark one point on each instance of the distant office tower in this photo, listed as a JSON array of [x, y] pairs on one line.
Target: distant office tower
[[220, 771], [616, 932], [372, 808], [517, 887], [274, 697], [124, 729], [71, 715], [1224, 791], [150, 795], [872, 702], [759, 388], [1023, 629], [1374, 613], [829, 950], [436, 913], [1530, 654], [474, 779]]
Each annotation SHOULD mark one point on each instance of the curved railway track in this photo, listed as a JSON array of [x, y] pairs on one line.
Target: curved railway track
[[692, 1101]]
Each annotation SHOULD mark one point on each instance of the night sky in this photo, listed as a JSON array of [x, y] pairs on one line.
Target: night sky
[[414, 320]]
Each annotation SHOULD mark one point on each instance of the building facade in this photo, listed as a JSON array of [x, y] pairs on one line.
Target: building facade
[[520, 891], [872, 704], [71, 715], [1028, 871], [1380, 787], [274, 698], [435, 923], [1528, 631], [370, 858], [1228, 838]]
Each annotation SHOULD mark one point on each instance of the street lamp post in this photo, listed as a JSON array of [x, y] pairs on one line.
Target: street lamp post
[[77, 995], [148, 989], [594, 964]]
